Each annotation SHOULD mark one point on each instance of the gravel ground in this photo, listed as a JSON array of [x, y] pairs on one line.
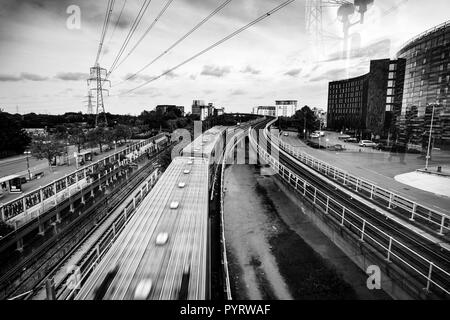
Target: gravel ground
[[275, 253]]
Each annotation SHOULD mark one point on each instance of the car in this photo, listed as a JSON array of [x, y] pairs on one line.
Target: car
[[344, 137], [336, 147], [315, 135], [351, 140], [367, 143], [143, 289], [286, 134], [320, 133]]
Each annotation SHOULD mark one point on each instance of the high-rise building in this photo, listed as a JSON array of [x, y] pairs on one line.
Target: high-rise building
[[285, 108], [205, 110], [367, 103], [426, 83], [270, 111]]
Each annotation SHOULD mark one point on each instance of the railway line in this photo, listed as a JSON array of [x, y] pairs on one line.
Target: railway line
[[164, 250], [407, 245], [46, 260]]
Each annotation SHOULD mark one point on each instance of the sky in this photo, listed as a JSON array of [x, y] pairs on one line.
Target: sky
[[45, 58]]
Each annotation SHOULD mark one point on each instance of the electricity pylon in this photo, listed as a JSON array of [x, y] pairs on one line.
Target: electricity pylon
[[98, 76]]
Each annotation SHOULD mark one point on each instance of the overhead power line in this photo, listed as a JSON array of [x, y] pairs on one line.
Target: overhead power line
[[130, 34], [146, 32], [264, 16], [117, 22], [109, 10], [213, 13]]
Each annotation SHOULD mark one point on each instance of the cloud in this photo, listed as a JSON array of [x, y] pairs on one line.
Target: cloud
[[71, 76], [22, 76], [376, 50], [138, 77], [171, 75], [332, 75], [293, 72], [32, 76], [9, 77], [238, 92], [215, 71], [250, 70]]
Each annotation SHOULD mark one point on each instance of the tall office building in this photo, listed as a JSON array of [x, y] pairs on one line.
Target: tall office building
[[367, 103], [285, 108], [426, 83]]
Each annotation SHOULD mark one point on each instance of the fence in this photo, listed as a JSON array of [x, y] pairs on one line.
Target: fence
[[420, 268], [409, 209], [38, 201]]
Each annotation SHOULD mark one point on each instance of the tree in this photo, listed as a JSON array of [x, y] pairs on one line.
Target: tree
[[307, 120], [122, 131], [97, 136], [47, 148], [13, 139], [77, 137]]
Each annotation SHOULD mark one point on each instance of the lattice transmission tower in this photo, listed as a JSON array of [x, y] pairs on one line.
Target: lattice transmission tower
[[89, 97], [313, 15], [98, 77]]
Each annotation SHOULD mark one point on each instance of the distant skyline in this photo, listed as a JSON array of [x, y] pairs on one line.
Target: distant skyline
[[43, 64]]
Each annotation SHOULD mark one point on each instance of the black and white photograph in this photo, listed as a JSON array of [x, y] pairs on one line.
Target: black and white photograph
[[224, 154]]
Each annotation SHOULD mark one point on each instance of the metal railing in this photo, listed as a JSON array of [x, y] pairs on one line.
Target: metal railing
[[410, 209], [35, 200], [422, 270]]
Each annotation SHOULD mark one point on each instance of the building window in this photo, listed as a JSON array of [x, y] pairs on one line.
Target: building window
[[391, 83], [421, 83], [390, 92], [443, 55], [424, 60], [392, 75], [389, 99], [420, 94], [392, 67], [438, 92], [441, 67], [439, 79]]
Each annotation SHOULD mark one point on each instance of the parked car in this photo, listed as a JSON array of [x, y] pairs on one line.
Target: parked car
[[315, 135], [351, 140], [344, 137], [320, 133], [286, 134], [367, 143], [315, 145], [336, 147]]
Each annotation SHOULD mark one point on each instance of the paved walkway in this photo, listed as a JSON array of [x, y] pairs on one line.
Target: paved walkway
[[438, 185], [381, 169]]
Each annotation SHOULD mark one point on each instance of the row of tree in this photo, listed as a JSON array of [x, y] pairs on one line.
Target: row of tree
[[304, 120], [54, 145]]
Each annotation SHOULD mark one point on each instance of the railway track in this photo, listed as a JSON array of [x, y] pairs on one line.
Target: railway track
[[48, 258], [407, 237]]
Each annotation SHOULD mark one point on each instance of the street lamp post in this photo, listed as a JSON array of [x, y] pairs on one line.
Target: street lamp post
[[429, 139], [304, 124], [28, 164]]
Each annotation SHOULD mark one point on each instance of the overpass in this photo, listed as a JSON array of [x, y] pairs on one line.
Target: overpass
[[415, 257]]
